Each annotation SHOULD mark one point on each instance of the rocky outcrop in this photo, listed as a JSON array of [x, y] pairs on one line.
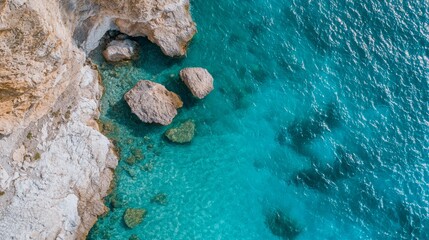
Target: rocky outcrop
[[60, 168], [41, 38], [153, 103], [171, 28], [120, 50], [55, 166], [166, 23], [198, 80], [184, 133], [38, 61]]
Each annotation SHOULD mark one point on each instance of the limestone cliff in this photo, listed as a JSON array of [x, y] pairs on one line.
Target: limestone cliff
[[39, 41], [55, 166]]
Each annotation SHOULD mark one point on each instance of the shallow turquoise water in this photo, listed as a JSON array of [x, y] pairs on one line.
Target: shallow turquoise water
[[320, 111]]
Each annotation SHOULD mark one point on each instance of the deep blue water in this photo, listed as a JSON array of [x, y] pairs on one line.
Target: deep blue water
[[319, 113]]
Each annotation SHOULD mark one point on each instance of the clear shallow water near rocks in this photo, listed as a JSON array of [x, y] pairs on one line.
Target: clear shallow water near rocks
[[318, 124]]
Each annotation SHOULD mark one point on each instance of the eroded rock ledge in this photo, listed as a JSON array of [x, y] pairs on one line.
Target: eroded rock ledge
[[55, 166]]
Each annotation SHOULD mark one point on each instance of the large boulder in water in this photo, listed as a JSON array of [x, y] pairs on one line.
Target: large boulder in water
[[153, 103], [120, 50], [198, 80], [181, 134]]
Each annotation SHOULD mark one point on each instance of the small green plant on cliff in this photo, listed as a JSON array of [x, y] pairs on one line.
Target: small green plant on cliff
[[29, 135], [37, 156]]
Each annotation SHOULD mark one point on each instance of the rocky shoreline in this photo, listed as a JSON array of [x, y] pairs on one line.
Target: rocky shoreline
[[55, 165]]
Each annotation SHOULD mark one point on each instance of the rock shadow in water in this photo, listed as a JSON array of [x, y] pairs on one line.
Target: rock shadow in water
[[152, 60], [282, 225], [176, 85]]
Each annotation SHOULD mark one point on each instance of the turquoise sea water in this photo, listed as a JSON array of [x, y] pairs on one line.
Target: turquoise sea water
[[319, 115]]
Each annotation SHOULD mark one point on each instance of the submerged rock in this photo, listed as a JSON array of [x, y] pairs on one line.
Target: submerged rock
[[181, 134], [160, 198], [147, 167], [322, 178], [281, 225], [116, 202], [120, 50], [136, 156], [134, 216], [283, 136], [153, 103], [198, 80], [259, 73], [131, 160], [133, 237], [314, 125]]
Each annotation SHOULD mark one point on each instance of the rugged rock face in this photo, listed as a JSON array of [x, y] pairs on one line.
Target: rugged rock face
[[120, 50], [198, 80], [153, 103], [55, 166], [38, 61], [42, 36], [62, 168], [166, 23]]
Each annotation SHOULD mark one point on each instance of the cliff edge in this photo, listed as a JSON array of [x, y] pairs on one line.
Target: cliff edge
[[55, 166]]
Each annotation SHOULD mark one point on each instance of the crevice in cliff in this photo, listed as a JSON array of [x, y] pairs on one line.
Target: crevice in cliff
[[88, 34]]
